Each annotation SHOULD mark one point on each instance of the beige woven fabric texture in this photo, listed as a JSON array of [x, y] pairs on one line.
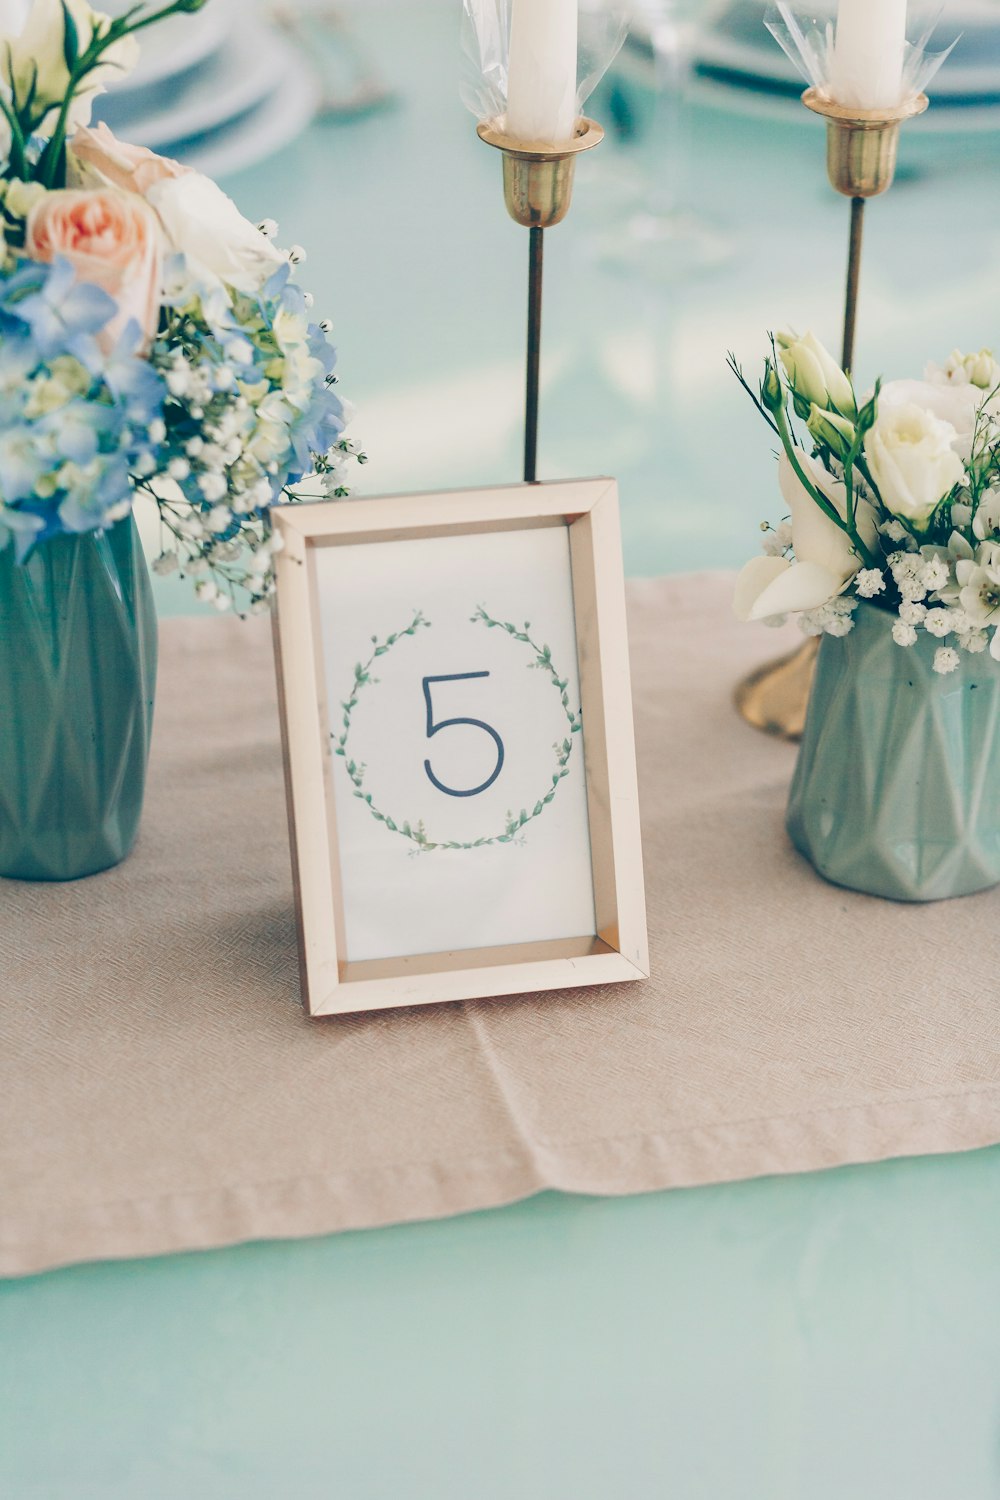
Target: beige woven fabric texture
[[161, 1090]]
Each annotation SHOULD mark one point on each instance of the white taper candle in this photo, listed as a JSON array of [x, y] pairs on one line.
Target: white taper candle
[[541, 75], [867, 64]]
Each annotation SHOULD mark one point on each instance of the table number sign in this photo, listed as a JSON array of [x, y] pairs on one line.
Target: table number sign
[[459, 751]]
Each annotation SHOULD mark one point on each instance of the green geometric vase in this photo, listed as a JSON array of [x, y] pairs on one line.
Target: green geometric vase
[[77, 683], [897, 788]]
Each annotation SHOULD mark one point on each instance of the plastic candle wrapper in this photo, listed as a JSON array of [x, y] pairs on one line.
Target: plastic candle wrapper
[[806, 34], [486, 29]]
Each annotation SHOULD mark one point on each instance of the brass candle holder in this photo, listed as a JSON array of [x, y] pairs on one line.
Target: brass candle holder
[[861, 150], [538, 191]]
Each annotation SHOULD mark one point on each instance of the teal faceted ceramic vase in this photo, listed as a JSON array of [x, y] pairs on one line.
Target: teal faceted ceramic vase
[[897, 788], [77, 681]]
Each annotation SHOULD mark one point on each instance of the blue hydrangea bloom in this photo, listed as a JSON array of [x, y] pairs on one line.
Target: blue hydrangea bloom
[[74, 422]]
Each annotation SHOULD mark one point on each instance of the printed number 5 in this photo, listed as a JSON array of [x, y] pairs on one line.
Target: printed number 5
[[433, 729]]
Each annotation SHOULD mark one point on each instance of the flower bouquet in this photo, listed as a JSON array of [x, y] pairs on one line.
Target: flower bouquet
[[154, 345], [890, 551]]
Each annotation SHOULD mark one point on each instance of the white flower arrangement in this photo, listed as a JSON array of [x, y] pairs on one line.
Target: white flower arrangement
[[893, 499]]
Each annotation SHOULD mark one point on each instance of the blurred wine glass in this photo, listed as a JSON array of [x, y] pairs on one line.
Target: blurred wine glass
[[659, 235]]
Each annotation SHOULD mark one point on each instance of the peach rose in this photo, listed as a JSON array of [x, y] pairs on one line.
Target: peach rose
[[98, 159], [112, 240]]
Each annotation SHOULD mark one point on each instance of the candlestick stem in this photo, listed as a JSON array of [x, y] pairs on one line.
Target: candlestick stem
[[536, 254], [853, 281]]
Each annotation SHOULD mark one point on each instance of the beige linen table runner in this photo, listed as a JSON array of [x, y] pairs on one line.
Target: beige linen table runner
[[160, 1088]]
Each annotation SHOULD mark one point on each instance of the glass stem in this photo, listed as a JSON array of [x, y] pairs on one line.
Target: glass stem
[[672, 52]]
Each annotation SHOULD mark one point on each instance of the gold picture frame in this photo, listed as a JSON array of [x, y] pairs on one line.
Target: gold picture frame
[[617, 950]]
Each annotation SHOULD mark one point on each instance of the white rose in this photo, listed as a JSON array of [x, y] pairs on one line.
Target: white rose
[[912, 459], [33, 52], [825, 559], [208, 229], [814, 374]]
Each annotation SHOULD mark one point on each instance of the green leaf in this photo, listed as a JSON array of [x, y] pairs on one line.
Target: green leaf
[[71, 40]]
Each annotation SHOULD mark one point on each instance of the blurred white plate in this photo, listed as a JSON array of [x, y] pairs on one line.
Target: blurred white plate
[[738, 45], [274, 124], [736, 97], [252, 63], [176, 44]]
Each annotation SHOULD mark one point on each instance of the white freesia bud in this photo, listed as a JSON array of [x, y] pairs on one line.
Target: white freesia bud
[[814, 374], [979, 369], [912, 461], [35, 58]]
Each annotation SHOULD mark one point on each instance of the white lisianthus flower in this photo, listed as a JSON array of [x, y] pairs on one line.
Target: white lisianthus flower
[[825, 559], [207, 228], [956, 404], [912, 459], [33, 56], [814, 374]]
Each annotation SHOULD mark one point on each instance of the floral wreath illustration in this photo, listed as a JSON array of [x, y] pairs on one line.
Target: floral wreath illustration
[[417, 835]]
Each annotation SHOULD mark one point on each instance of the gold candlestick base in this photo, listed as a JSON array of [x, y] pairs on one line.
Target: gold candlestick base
[[861, 144], [861, 150], [775, 698], [538, 178]]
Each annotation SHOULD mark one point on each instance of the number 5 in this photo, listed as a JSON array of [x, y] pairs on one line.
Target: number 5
[[433, 729]]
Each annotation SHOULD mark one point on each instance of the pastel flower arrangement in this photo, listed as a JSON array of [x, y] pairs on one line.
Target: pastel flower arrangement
[[152, 340], [892, 498]]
